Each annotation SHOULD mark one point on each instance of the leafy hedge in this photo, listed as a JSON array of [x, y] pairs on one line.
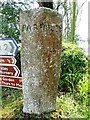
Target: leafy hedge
[[73, 67]]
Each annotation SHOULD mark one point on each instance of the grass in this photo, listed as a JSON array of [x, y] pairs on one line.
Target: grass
[[69, 105]]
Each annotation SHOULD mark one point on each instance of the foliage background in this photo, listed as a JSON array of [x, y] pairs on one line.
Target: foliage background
[[73, 91]]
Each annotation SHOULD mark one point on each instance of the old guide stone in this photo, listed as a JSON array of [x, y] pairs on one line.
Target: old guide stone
[[40, 57]]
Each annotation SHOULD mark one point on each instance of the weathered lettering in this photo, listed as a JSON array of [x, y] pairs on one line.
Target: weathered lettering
[[43, 26]]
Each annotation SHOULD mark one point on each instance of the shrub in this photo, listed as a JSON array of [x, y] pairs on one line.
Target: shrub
[[73, 67]]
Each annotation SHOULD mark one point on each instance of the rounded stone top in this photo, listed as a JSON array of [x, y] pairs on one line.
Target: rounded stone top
[[36, 12], [41, 20]]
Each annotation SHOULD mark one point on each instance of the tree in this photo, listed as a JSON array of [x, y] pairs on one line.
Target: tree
[[73, 21], [70, 11], [10, 20], [65, 8], [48, 4]]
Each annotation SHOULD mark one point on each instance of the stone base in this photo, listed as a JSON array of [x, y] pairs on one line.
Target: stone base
[[35, 110]]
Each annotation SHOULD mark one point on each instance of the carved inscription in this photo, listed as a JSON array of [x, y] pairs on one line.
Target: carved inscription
[[42, 26]]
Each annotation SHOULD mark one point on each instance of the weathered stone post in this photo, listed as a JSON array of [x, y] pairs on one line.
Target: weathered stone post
[[41, 31]]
